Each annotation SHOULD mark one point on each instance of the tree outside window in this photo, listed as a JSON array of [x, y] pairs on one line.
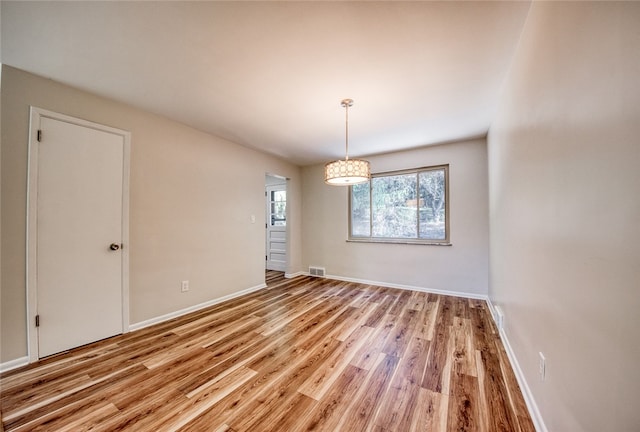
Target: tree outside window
[[402, 206]]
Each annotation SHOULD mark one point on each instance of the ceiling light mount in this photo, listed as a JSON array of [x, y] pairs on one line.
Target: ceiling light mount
[[345, 103], [348, 171]]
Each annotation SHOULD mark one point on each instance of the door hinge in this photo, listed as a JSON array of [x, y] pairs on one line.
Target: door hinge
[[37, 320], [39, 135], [266, 258]]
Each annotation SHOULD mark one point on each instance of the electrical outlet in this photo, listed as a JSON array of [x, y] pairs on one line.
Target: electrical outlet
[[542, 366], [185, 286]]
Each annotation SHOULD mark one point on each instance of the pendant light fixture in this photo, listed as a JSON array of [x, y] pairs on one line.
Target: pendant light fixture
[[348, 171]]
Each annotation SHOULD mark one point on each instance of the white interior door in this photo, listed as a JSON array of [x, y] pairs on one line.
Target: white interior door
[[276, 238], [79, 235]]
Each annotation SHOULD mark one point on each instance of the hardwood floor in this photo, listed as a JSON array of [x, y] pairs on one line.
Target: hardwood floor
[[305, 354], [272, 277]]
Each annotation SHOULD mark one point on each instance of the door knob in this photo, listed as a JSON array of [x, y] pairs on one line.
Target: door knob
[[114, 246]]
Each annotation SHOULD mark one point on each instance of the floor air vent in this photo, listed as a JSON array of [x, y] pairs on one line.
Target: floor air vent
[[316, 271]]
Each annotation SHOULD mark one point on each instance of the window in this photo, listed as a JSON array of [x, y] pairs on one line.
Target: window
[[278, 207], [409, 206]]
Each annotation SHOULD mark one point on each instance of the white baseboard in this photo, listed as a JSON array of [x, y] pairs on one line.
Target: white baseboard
[[538, 422], [296, 274], [171, 315], [408, 287], [13, 364]]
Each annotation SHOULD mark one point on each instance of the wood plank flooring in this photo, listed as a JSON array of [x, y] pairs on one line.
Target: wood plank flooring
[[305, 354]]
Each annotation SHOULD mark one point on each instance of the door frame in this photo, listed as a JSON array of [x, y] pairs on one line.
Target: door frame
[[288, 216], [36, 114]]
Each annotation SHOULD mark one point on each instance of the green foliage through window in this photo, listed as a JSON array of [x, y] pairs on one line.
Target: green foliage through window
[[402, 206]]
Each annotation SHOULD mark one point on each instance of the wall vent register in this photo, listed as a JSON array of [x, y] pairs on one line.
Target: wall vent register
[[316, 271]]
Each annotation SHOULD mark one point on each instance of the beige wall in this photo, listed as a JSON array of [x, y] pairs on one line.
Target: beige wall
[[191, 198], [564, 163], [462, 267]]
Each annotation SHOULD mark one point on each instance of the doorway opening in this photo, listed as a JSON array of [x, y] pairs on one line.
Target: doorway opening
[[276, 223]]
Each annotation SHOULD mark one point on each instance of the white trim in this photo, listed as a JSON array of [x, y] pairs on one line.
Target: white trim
[[126, 171], [171, 315], [407, 287], [32, 205], [14, 364], [538, 422], [296, 274]]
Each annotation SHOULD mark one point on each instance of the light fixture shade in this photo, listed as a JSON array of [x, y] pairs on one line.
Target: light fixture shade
[[347, 172]]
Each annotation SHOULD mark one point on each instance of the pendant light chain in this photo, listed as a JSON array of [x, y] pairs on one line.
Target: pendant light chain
[[346, 130]]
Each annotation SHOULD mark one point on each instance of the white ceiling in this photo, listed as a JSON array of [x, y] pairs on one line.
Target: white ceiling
[[271, 75]]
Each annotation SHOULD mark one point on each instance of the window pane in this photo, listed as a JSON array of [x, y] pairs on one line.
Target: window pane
[[278, 208], [432, 205], [279, 195], [405, 206], [395, 206], [360, 210]]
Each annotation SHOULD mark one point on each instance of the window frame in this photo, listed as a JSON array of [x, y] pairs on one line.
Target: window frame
[[397, 240]]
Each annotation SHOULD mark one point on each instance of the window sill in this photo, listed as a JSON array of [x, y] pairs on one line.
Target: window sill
[[404, 242]]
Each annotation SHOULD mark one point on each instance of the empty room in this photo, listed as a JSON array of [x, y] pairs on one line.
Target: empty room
[[334, 216]]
